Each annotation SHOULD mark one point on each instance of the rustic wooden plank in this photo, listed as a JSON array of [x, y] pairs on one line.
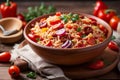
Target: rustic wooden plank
[[5, 64], [4, 75]]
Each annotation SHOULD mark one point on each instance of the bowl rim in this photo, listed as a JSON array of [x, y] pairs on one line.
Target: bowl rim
[[13, 18], [69, 49]]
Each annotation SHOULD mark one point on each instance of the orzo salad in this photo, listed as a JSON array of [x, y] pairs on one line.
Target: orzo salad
[[68, 30]]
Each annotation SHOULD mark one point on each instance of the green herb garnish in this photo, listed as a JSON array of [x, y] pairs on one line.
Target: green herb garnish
[[31, 75], [36, 11], [113, 38], [78, 29], [70, 16]]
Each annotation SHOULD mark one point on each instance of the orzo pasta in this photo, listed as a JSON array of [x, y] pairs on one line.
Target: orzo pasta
[[68, 30]]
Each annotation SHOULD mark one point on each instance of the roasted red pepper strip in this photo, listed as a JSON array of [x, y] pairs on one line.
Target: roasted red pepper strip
[[8, 9]]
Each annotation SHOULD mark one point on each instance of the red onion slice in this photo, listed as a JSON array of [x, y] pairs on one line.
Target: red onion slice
[[42, 24], [60, 32], [67, 44]]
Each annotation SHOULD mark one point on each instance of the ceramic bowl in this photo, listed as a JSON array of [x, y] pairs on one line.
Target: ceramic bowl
[[68, 56], [11, 23]]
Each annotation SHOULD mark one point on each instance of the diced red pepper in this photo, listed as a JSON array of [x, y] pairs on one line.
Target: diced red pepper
[[91, 41], [103, 29], [49, 43], [58, 14], [33, 37], [53, 22], [69, 26]]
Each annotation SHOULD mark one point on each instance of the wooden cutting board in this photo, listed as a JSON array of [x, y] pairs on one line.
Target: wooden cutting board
[[73, 72]]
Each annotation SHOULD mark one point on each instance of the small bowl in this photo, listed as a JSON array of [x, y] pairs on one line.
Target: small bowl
[[11, 23], [68, 56]]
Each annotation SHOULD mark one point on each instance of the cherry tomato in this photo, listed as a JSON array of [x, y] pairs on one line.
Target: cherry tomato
[[114, 22], [14, 71], [20, 16], [102, 14], [113, 46], [5, 57], [96, 65], [99, 5], [109, 14], [106, 14]]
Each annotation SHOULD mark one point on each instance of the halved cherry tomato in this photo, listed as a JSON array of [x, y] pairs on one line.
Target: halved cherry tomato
[[14, 71], [5, 57], [96, 65], [114, 22], [113, 46], [99, 5], [33, 37]]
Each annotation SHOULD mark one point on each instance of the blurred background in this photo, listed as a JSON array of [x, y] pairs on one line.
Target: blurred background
[[85, 6]]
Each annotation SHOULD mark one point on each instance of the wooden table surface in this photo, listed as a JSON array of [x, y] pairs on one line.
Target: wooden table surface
[[61, 5]]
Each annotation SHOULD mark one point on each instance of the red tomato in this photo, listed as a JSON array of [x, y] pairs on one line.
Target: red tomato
[[110, 14], [14, 71], [99, 5], [5, 57], [114, 22], [96, 65], [113, 46], [33, 37], [20, 16], [102, 15], [106, 14]]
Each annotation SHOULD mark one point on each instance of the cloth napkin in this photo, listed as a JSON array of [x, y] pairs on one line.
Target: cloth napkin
[[37, 64]]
